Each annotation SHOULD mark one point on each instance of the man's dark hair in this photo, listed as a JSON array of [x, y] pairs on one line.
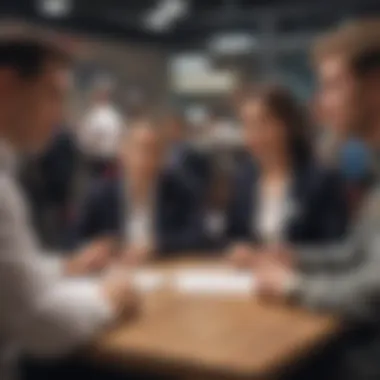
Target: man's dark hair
[[29, 56]]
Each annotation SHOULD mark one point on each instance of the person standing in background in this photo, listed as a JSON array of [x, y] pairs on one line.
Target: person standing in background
[[45, 311], [100, 131]]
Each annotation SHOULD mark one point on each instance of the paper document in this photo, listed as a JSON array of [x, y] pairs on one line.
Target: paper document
[[214, 281], [208, 281], [148, 280]]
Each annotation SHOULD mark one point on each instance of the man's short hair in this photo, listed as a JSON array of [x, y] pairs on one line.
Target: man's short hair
[[28, 56], [358, 43]]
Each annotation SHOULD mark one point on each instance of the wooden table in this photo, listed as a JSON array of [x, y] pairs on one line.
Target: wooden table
[[213, 337]]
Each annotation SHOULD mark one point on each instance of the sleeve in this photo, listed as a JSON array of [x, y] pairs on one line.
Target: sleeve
[[353, 292], [47, 315], [328, 256], [342, 254], [354, 295]]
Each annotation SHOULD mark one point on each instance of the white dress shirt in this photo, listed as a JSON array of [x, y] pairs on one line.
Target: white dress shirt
[[42, 312], [139, 221], [215, 223], [101, 131], [273, 207]]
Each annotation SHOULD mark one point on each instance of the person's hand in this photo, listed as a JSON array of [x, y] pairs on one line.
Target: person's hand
[[132, 256], [274, 280], [241, 255], [282, 254], [120, 293], [92, 258]]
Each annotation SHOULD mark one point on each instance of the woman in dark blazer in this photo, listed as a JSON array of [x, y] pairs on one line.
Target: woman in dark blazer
[[281, 194]]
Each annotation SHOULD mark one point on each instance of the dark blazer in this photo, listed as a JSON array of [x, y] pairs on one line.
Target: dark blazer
[[319, 203], [190, 166], [177, 219], [58, 165]]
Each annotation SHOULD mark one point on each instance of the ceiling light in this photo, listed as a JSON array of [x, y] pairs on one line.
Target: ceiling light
[[54, 8], [232, 43], [166, 14]]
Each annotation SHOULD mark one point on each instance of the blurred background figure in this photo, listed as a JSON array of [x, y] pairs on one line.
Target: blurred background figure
[[182, 159], [221, 132], [282, 194], [101, 130], [147, 210]]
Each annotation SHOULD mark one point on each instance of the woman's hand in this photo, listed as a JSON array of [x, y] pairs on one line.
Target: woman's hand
[[241, 255], [92, 258], [132, 256]]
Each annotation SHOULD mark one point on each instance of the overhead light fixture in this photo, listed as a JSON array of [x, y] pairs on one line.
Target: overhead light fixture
[[190, 63], [166, 14], [54, 8], [232, 43]]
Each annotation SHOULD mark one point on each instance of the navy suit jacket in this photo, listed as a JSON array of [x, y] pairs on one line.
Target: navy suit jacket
[[177, 219], [58, 165], [190, 166], [318, 198]]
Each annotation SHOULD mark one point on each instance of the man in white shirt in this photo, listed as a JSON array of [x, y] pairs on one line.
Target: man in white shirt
[[44, 311], [101, 131]]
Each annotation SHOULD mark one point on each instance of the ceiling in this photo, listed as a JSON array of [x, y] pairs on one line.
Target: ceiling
[[125, 19]]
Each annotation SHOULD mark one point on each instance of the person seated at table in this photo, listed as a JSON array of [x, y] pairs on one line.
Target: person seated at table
[[281, 194], [182, 159], [214, 210], [341, 279], [147, 210]]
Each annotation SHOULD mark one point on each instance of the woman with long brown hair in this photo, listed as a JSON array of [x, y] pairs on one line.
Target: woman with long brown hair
[[282, 194]]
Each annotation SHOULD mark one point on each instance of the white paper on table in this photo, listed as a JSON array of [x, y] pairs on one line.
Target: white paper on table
[[214, 282], [147, 280]]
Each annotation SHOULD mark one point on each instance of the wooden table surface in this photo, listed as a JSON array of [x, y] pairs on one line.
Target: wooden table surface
[[212, 336]]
